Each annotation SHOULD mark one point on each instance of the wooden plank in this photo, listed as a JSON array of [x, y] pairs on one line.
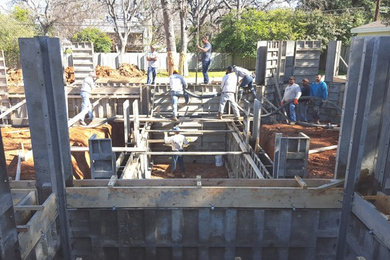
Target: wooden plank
[[372, 218], [323, 149], [39, 223], [196, 153], [332, 184], [112, 181], [29, 207], [301, 182], [80, 115], [23, 228], [114, 149], [194, 197], [205, 182], [14, 107]]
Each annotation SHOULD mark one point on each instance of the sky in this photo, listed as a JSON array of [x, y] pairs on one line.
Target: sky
[[5, 5]]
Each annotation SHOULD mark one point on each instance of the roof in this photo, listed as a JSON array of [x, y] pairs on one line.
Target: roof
[[377, 26]]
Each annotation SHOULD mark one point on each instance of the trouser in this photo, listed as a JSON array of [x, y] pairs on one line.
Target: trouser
[[291, 110], [302, 111], [317, 104], [205, 69], [86, 104], [152, 72], [175, 100], [178, 159], [225, 97]]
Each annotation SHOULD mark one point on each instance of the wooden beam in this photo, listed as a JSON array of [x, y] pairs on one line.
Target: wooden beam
[[187, 131], [194, 197], [188, 119], [301, 182], [323, 149], [28, 207], [39, 223], [112, 181], [195, 153], [14, 107], [114, 149], [80, 115]]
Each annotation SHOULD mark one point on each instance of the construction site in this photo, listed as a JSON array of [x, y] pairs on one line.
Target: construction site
[[254, 188]]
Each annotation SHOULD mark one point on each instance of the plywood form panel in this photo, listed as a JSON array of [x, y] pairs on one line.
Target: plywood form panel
[[205, 233]]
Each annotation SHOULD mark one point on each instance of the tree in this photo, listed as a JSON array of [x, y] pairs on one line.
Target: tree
[[101, 41], [123, 14], [12, 27], [183, 11], [51, 13], [169, 34]]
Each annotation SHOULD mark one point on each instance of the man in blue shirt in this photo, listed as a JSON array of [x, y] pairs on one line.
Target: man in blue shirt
[[318, 89], [206, 58]]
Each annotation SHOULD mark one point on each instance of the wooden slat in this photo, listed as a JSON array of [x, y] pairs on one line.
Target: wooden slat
[[29, 207]]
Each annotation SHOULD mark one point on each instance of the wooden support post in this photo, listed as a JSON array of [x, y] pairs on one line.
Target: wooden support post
[[136, 122], [332, 60], [45, 95], [247, 122], [256, 123], [301, 182], [126, 123]]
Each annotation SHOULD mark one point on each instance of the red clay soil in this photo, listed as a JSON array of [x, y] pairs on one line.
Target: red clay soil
[[321, 165], [14, 137], [164, 171]]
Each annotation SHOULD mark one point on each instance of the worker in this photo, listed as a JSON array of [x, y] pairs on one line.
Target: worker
[[303, 104], [151, 57], [291, 95], [85, 92], [245, 81], [228, 89], [178, 86], [319, 90], [206, 58], [178, 142]]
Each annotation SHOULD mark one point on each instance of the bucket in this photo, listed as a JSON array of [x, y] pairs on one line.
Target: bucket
[[218, 161]]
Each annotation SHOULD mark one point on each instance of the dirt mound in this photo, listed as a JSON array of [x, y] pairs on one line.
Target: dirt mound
[[15, 76], [69, 75], [13, 138], [106, 72], [130, 70]]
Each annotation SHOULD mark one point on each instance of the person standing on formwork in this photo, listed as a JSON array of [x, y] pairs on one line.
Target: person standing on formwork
[[291, 95], [178, 142], [245, 81], [206, 58], [303, 104], [228, 89], [319, 90], [151, 57], [178, 85], [85, 93]]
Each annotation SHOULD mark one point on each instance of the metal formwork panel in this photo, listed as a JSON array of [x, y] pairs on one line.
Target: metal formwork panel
[[4, 102], [291, 156], [204, 233], [307, 60], [102, 158], [82, 56]]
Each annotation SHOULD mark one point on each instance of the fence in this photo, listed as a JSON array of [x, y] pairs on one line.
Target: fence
[[219, 60]]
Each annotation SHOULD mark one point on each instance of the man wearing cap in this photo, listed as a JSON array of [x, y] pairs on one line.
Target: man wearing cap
[[178, 85], [85, 92], [303, 104], [228, 89], [245, 80], [178, 142], [206, 58], [291, 94]]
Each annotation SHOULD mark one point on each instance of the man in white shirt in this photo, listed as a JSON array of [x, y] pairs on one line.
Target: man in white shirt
[[177, 84], [151, 57], [228, 89], [245, 80], [291, 94], [85, 92], [178, 142]]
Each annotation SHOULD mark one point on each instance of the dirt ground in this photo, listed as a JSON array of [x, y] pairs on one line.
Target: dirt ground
[[13, 138], [321, 165], [163, 171]]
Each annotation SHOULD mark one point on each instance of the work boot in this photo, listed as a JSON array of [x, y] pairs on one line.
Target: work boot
[[219, 116]]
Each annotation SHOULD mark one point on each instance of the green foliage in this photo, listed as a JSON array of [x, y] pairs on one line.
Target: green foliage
[[241, 35], [101, 41], [12, 27]]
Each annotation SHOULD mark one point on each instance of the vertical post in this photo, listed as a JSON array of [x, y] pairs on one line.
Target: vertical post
[[9, 244], [332, 60], [136, 122], [256, 123], [365, 86], [280, 156], [126, 123], [261, 62], [44, 89], [247, 121]]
